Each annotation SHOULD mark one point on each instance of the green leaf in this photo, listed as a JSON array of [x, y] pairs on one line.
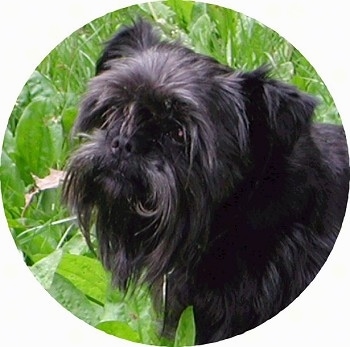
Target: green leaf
[[37, 248], [68, 118], [158, 10], [33, 138], [46, 229], [119, 329], [76, 245], [285, 71], [56, 137], [24, 97], [44, 270], [12, 186], [9, 144], [183, 10], [38, 87], [141, 315], [22, 223], [201, 33], [74, 300], [198, 10], [134, 309], [186, 331], [86, 274], [116, 311]]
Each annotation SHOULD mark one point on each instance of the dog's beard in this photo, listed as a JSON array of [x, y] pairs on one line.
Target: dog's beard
[[151, 211]]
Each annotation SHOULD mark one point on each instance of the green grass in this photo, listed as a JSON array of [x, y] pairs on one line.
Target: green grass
[[37, 140]]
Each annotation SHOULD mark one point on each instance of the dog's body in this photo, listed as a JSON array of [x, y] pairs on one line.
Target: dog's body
[[210, 181]]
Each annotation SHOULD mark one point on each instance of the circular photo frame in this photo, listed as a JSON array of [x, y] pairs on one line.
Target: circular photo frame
[[163, 270]]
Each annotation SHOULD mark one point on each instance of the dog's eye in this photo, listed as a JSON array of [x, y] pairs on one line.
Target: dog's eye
[[177, 135]]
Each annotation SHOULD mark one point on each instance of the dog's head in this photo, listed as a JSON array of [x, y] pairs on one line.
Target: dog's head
[[169, 135]]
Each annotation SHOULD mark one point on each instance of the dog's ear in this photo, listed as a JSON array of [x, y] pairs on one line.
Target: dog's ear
[[140, 36], [277, 112]]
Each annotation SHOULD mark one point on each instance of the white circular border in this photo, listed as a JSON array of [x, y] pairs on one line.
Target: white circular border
[[30, 30]]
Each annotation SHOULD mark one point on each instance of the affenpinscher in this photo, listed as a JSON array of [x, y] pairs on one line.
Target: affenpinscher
[[211, 182]]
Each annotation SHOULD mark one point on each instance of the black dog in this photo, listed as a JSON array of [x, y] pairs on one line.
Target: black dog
[[210, 181]]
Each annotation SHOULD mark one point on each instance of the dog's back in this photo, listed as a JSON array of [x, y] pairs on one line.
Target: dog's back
[[282, 236], [331, 141]]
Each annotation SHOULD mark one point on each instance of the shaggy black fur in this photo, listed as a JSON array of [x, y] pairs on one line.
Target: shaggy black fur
[[212, 180]]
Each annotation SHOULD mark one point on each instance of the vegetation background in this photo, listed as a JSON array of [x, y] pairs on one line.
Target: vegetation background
[[37, 144]]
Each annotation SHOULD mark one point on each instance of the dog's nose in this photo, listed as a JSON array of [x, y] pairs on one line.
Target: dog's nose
[[121, 145]]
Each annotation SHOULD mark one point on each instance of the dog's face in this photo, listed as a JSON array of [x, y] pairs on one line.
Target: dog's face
[[170, 135]]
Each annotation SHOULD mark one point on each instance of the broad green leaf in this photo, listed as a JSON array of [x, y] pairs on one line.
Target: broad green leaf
[[38, 86], [285, 71], [119, 329], [120, 307], [9, 144], [116, 311], [46, 202], [142, 316], [86, 274], [44, 270], [24, 98], [199, 9], [56, 137], [76, 245], [186, 331], [23, 168], [22, 224], [74, 300], [36, 248], [201, 33], [68, 118], [12, 186], [134, 309], [47, 229], [33, 137], [183, 10], [158, 10]]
